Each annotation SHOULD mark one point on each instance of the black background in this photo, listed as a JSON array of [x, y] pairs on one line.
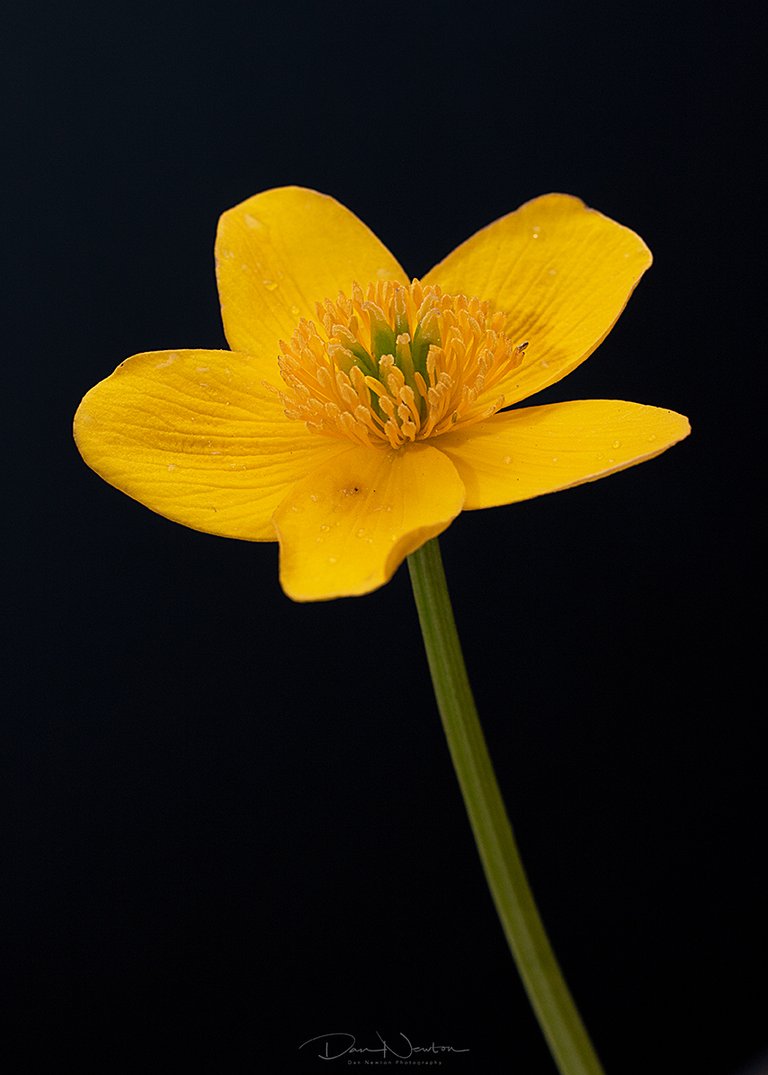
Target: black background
[[233, 820]]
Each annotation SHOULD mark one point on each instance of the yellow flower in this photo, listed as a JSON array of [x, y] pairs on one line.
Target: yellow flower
[[358, 413]]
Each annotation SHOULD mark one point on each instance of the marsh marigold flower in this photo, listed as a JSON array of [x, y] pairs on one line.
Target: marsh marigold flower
[[358, 411]]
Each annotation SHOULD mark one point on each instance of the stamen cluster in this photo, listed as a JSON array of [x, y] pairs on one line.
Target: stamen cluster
[[396, 364]]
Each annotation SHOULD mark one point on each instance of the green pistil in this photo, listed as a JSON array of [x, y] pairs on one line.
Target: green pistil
[[404, 359], [367, 364], [410, 355], [426, 335], [382, 334]]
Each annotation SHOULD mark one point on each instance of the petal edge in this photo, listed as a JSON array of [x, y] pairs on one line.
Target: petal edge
[[346, 529], [283, 250], [524, 453], [562, 271], [197, 437]]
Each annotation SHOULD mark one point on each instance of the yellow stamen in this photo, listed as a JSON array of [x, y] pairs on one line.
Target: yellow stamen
[[396, 364]]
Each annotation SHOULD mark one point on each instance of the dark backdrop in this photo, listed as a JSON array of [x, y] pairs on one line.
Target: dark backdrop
[[233, 821]]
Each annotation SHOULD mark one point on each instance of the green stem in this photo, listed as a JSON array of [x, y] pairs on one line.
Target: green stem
[[536, 962]]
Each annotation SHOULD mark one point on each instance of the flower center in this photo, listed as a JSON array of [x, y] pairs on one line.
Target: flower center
[[397, 363]]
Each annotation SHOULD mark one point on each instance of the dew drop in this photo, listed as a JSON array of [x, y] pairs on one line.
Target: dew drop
[[536, 232], [270, 285], [544, 364], [551, 272], [361, 532], [651, 436], [610, 460], [254, 222], [555, 458], [507, 459], [295, 311], [314, 498], [333, 560], [325, 527], [295, 507], [616, 444], [245, 268], [171, 466]]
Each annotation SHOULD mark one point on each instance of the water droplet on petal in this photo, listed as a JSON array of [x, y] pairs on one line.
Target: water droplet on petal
[[361, 532], [536, 232], [295, 311], [171, 466], [555, 458], [651, 436], [325, 527], [616, 444], [270, 285], [507, 459], [314, 498], [551, 272], [332, 559], [254, 222]]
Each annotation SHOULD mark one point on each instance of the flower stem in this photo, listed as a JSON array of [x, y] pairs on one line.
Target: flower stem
[[548, 993]]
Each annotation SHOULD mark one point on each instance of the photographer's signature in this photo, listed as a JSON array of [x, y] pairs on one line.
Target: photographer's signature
[[333, 1046]]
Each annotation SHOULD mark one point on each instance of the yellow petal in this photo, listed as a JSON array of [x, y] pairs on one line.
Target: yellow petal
[[562, 271], [197, 437], [350, 524], [521, 454], [279, 253]]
